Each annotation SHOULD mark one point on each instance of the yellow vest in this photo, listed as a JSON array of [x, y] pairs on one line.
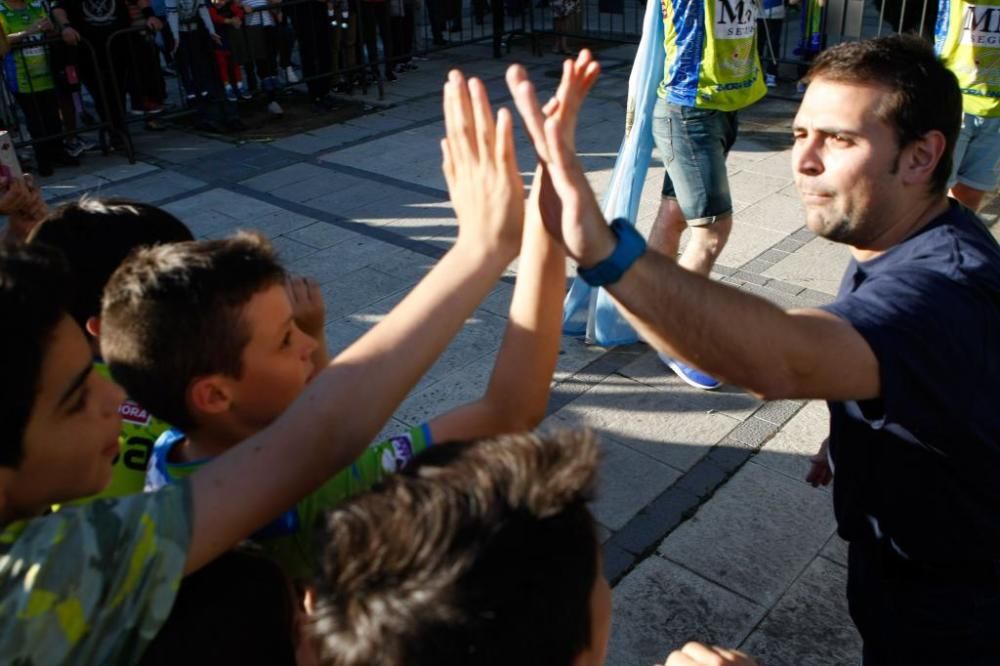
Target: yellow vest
[[967, 38]]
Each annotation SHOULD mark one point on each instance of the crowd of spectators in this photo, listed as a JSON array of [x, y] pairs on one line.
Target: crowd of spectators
[[70, 63]]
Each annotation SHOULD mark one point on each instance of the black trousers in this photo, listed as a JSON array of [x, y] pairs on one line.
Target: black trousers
[[314, 34], [922, 613], [375, 15], [41, 114]]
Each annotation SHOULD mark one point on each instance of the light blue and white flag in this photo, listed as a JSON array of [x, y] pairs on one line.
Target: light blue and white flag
[[588, 310]]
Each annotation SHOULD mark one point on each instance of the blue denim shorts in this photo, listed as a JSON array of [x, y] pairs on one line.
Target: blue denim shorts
[[977, 153], [694, 143]]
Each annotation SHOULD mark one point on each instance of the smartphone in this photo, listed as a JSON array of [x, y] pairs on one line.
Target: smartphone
[[10, 167]]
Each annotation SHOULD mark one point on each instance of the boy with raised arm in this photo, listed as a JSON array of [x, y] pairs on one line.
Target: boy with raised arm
[[93, 584]]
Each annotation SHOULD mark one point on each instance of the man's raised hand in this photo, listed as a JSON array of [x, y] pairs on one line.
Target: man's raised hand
[[552, 129], [480, 167]]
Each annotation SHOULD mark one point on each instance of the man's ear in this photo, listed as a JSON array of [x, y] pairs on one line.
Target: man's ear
[[93, 326], [209, 395], [921, 158]]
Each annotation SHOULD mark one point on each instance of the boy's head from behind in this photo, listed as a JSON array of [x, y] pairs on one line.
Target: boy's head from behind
[[202, 335], [95, 236], [475, 554], [239, 609], [58, 419]]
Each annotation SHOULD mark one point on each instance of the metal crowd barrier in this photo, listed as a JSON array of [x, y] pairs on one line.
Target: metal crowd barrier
[[620, 21], [58, 110]]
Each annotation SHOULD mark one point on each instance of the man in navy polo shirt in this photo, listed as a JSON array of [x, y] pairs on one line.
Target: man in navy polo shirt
[[908, 355]]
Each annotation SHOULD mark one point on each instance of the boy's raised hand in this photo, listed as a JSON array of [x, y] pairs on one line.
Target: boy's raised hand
[[309, 313], [480, 167], [552, 129]]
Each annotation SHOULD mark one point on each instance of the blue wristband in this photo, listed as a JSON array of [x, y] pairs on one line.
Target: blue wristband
[[631, 245]]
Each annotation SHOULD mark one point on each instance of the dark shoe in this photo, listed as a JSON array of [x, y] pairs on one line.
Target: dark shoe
[[389, 76], [456, 26], [440, 41]]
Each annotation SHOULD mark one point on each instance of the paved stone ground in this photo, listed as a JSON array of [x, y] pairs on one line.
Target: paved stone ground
[[709, 531]]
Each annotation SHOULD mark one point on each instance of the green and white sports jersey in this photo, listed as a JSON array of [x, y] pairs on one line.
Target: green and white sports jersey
[[92, 584], [290, 538], [967, 39], [26, 68], [711, 54]]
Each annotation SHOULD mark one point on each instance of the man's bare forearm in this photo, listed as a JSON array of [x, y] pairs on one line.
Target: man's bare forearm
[[732, 335]]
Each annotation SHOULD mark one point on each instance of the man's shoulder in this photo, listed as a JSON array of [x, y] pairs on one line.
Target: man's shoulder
[[955, 246]]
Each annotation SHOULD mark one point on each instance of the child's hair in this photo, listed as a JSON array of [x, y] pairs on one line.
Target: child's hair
[[96, 235], [239, 609], [34, 291], [174, 313], [475, 554]]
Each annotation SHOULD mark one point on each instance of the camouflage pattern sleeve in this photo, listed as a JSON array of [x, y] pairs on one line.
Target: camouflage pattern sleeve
[[92, 584]]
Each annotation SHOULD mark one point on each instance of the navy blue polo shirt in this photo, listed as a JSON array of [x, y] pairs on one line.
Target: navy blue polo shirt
[[920, 466]]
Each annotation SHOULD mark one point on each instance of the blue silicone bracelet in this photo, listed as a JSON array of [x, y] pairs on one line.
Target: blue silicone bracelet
[[631, 245]]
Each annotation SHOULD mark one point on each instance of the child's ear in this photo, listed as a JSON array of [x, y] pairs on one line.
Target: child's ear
[[93, 327], [209, 395]]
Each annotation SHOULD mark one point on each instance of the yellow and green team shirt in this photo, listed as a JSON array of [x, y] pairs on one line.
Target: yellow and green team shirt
[[711, 54], [290, 539], [26, 69], [138, 434], [967, 39]]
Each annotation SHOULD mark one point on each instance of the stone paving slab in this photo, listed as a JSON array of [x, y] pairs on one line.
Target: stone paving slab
[[788, 452], [728, 400], [154, 188], [671, 428], [756, 535], [810, 624], [818, 265], [660, 606]]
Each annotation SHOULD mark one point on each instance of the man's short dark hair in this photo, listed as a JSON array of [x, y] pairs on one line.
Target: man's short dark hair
[[923, 94], [34, 290], [96, 235], [173, 313], [476, 554], [239, 609]]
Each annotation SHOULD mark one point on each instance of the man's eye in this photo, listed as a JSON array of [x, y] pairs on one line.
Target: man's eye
[[287, 340]]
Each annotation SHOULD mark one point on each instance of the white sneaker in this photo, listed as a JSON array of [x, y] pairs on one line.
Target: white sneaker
[[290, 75], [275, 109], [771, 80]]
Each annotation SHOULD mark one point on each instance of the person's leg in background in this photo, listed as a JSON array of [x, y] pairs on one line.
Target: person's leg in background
[[976, 167]]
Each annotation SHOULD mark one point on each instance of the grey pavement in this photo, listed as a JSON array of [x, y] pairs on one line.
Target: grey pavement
[[708, 529]]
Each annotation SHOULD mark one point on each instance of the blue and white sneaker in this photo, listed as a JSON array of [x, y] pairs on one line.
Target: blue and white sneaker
[[695, 378]]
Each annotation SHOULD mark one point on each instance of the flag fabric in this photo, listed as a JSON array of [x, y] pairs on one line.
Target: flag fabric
[[591, 311]]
